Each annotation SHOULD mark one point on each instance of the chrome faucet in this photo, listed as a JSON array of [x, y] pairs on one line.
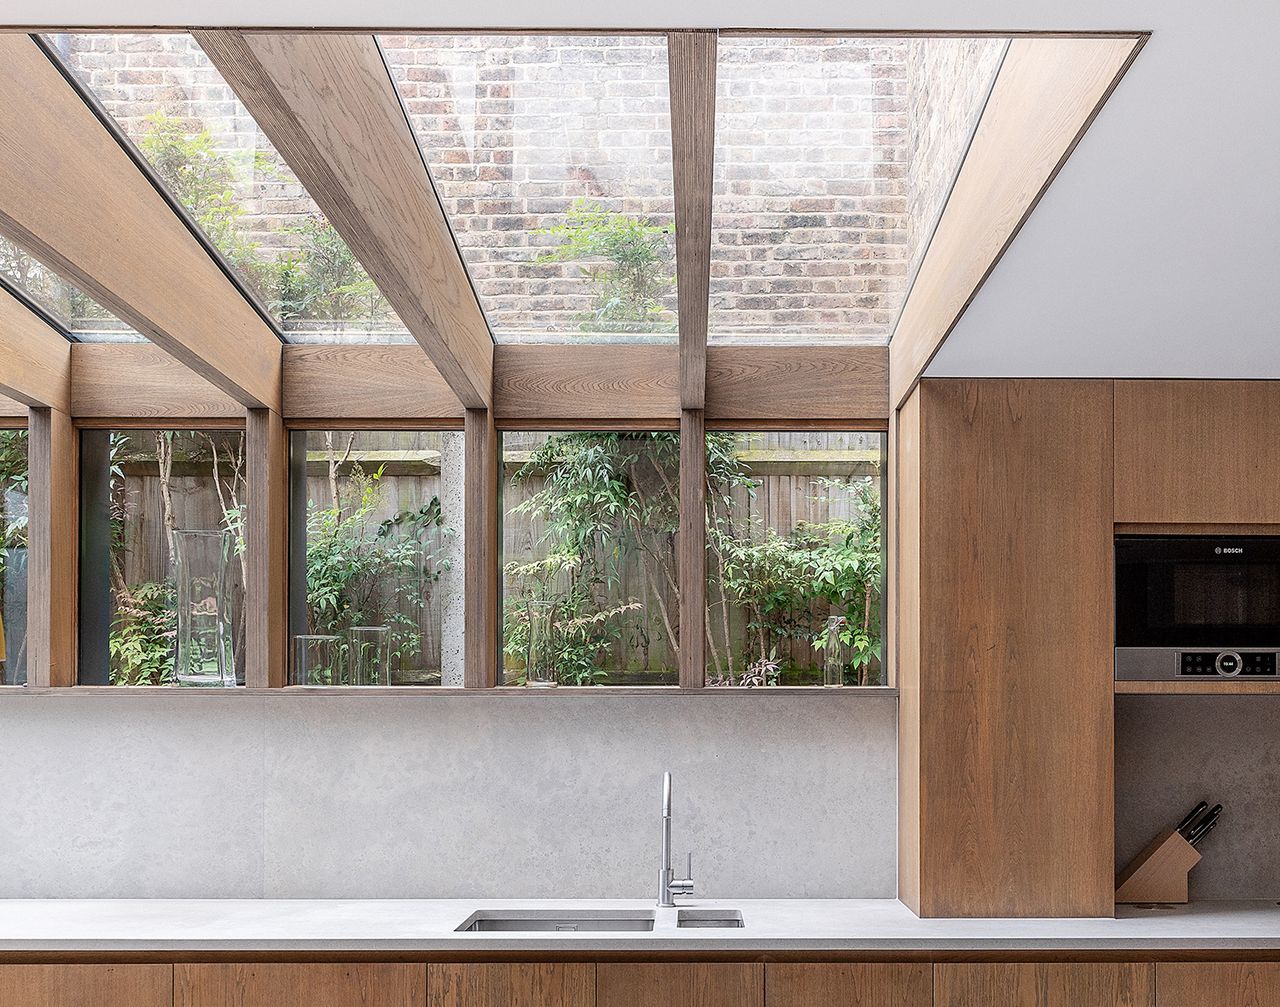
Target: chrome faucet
[[669, 885]]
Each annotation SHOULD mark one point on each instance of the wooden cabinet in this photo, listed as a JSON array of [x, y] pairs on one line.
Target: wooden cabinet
[[853, 985], [680, 985], [517, 985], [1197, 452], [1048, 985], [1220, 984], [86, 985], [300, 985]]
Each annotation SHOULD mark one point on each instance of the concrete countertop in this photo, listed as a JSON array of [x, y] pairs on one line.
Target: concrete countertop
[[431, 926]]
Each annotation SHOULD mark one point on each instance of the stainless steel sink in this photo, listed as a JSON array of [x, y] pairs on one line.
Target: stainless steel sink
[[557, 921], [710, 918]]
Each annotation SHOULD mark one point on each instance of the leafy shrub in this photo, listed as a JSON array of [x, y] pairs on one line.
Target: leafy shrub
[[144, 635]]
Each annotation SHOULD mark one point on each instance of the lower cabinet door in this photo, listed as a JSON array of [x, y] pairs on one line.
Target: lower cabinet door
[[683, 985], [86, 985], [518, 985], [1218, 984], [300, 985], [1101, 984], [857, 985]]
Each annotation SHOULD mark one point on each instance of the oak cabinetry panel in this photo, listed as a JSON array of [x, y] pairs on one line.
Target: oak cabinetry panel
[[854, 985], [1048, 985], [680, 985], [86, 985], [1220, 984], [517, 985], [1197, 451], [300, 985]]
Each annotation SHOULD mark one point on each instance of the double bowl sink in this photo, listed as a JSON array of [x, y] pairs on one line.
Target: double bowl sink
[[591, 920]]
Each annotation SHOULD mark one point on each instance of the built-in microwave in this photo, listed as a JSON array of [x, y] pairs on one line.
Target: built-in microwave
[[1200, 606]]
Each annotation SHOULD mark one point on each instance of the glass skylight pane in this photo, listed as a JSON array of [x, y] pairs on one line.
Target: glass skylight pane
[[552, 155], [67, 304], [833, 158], [172, 102]]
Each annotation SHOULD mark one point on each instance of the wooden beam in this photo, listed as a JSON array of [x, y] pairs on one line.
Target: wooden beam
[[480, 528], [13, 411], [589, 382], [798, 383], [365, 381], [1046, 94], [35, 360], [72, 195], [692, 549], [138, 381], [52, 543], [691, 59], [329, 105], [266, 549]]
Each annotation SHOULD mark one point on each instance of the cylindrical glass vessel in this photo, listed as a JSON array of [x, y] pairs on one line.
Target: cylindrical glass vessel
[[201, 565], [834, 653], [368, 655], [314, 660], [540, 658]]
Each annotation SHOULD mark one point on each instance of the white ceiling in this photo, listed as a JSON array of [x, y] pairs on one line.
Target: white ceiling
[[1157, 250]]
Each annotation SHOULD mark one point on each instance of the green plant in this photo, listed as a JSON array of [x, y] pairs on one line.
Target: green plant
[[143, 635], [321, 278], [13, 537], [630, 263]]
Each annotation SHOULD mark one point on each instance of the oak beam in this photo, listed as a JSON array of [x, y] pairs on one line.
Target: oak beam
[[138, 381], [328, 103], [35, 360], [1045, 96], [368, 381], [691, 59], [480, 550], [692, 549], [266, 549], [71, 194], [52, 543], [610, 382]]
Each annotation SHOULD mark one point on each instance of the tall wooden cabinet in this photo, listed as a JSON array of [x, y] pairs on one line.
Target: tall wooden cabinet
[[1003, 656]]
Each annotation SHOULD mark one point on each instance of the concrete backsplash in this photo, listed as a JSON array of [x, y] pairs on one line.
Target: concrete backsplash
[[1172, 751], [487, 796]]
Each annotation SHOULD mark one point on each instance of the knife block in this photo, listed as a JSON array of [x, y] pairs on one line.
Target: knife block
[[1158, 873]]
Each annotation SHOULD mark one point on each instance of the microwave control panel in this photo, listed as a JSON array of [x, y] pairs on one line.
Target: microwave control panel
[[1227, 664]]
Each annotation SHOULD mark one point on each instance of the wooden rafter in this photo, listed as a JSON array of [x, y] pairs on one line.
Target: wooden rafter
[[53, 520], [691, 57], [35, 361], [1045, 96], [72, 195], [329, 105]]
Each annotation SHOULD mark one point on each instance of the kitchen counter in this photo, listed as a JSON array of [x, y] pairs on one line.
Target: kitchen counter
[[879, 925]]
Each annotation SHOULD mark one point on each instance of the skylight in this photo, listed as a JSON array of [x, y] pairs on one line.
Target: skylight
[[172, 102]]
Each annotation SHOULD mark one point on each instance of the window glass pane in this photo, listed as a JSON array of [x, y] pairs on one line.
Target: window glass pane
[[588, 549], [13, 557], [552, 156], [177, 557], [69, 306], [384, 563], [794, 538], [833, 158], [172, 102]]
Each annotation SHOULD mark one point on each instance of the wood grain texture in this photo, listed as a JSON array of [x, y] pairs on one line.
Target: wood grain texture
[[266, 549], [329, 105], [585, 382], [74, 198], [1015, 661], [848, 383], [1190, 687], [480, 548], [35, 359], [142, 382], [1045, 95], [299, 985], [691, 59], [53, 522], [1197, 451], [365, 381], [852, 985], [1094, 984], [679, 985], [514, 985], [12, 410], [1220, 984], [691, 549], [1159, 872], [86, 985]]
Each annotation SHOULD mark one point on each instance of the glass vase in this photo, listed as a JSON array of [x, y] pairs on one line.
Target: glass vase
[[540, 658], [201, 566], [369, 655], [314, 660], [835, 657]]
